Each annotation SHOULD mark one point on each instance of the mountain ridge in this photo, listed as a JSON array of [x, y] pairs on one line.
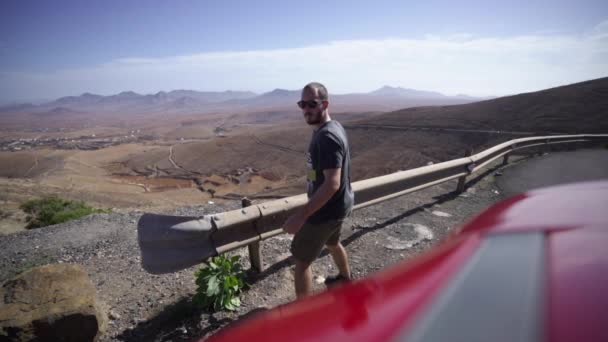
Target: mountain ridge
[[191, 101]]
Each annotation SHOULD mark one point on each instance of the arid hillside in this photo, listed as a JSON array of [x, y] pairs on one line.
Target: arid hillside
[[575, 108], [193, 159], [277, 153]]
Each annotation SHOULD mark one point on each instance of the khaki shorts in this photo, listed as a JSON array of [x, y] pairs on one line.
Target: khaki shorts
[[309, 241]]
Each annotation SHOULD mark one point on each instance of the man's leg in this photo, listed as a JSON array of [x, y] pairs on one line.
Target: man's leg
[[303, 279], [338, 253], [306, 246]]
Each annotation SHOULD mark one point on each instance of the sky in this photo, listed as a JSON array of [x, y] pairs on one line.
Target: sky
[[50, 49]]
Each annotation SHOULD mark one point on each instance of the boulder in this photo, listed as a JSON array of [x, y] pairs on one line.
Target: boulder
[[50, 303]]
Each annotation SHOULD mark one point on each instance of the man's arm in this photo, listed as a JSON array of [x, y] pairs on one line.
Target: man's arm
[[330, 185]]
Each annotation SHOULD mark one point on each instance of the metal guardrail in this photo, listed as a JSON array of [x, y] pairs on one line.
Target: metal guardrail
[[172, 243]]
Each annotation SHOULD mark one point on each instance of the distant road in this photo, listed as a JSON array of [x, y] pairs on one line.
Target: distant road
[[276, 146], [553, 169], [437, 129]]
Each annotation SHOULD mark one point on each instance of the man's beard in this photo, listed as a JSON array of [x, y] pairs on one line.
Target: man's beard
[[313, 118]]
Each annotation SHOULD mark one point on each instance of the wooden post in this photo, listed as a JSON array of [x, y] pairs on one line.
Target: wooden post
[[255, 251], [462, 180], [505, 159]]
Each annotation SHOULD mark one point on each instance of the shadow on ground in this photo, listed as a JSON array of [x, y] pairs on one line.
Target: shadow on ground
[[182, 321], [362, 230]]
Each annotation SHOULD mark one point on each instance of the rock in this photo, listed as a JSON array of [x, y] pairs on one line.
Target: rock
[[397, 244], [137, 320], [55, 302], [423, 234], [440, 213], [113, 315]]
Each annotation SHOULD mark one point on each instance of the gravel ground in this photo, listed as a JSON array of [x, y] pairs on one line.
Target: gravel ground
[[145, 307]]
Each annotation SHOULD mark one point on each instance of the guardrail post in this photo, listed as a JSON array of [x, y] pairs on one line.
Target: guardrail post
[[462, 180], [255, 250]]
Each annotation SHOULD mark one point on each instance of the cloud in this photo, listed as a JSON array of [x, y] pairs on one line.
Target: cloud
[[460, 63]]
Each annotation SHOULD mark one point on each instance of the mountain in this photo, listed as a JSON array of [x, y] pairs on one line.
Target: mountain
[[275, 98], [280, 94], [61, 112], [576, 108], [129, 101], [86, 99], [210, 96], [190, 101], [383, 99], [17, 107], [388, 91]]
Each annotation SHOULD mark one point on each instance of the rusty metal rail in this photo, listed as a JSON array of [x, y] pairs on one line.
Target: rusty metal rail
[[171, 243]]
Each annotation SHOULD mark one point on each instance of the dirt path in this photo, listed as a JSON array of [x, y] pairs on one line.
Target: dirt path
[[275, 146], [171, 158], [176, 165], [32, 167]]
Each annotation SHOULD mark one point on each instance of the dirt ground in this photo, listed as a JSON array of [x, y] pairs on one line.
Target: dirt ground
[[200, 168], [257, 161], [147, 307]]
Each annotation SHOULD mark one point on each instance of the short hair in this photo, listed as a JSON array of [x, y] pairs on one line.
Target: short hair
[[321, 90]]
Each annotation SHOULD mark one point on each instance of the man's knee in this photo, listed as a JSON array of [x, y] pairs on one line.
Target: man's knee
[[333, 248], [301, 266]]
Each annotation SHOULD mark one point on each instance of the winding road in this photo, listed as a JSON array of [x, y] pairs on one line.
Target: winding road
[[436, 129], [553, 169]]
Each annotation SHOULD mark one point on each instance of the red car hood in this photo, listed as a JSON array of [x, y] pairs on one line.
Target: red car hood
[[533, 267]]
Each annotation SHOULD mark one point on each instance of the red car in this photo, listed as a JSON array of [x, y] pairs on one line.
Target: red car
[[531, 268]]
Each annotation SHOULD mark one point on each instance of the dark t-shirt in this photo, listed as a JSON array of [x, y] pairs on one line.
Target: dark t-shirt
[[329, 149]]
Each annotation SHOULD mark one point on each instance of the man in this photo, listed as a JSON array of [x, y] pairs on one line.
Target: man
[[330, 197]]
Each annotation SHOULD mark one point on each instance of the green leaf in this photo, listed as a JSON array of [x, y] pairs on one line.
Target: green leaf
[[232, 280], [212, 286], [236, 301], [219, 283]]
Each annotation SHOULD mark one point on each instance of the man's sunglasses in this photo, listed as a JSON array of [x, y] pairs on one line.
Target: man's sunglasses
[[310, 104]]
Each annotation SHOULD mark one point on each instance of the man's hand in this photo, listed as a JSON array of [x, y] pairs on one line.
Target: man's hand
[[295, 222], [320, 197]]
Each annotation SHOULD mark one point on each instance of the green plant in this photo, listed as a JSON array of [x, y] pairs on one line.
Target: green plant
[[219, 284], [53, 210]]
